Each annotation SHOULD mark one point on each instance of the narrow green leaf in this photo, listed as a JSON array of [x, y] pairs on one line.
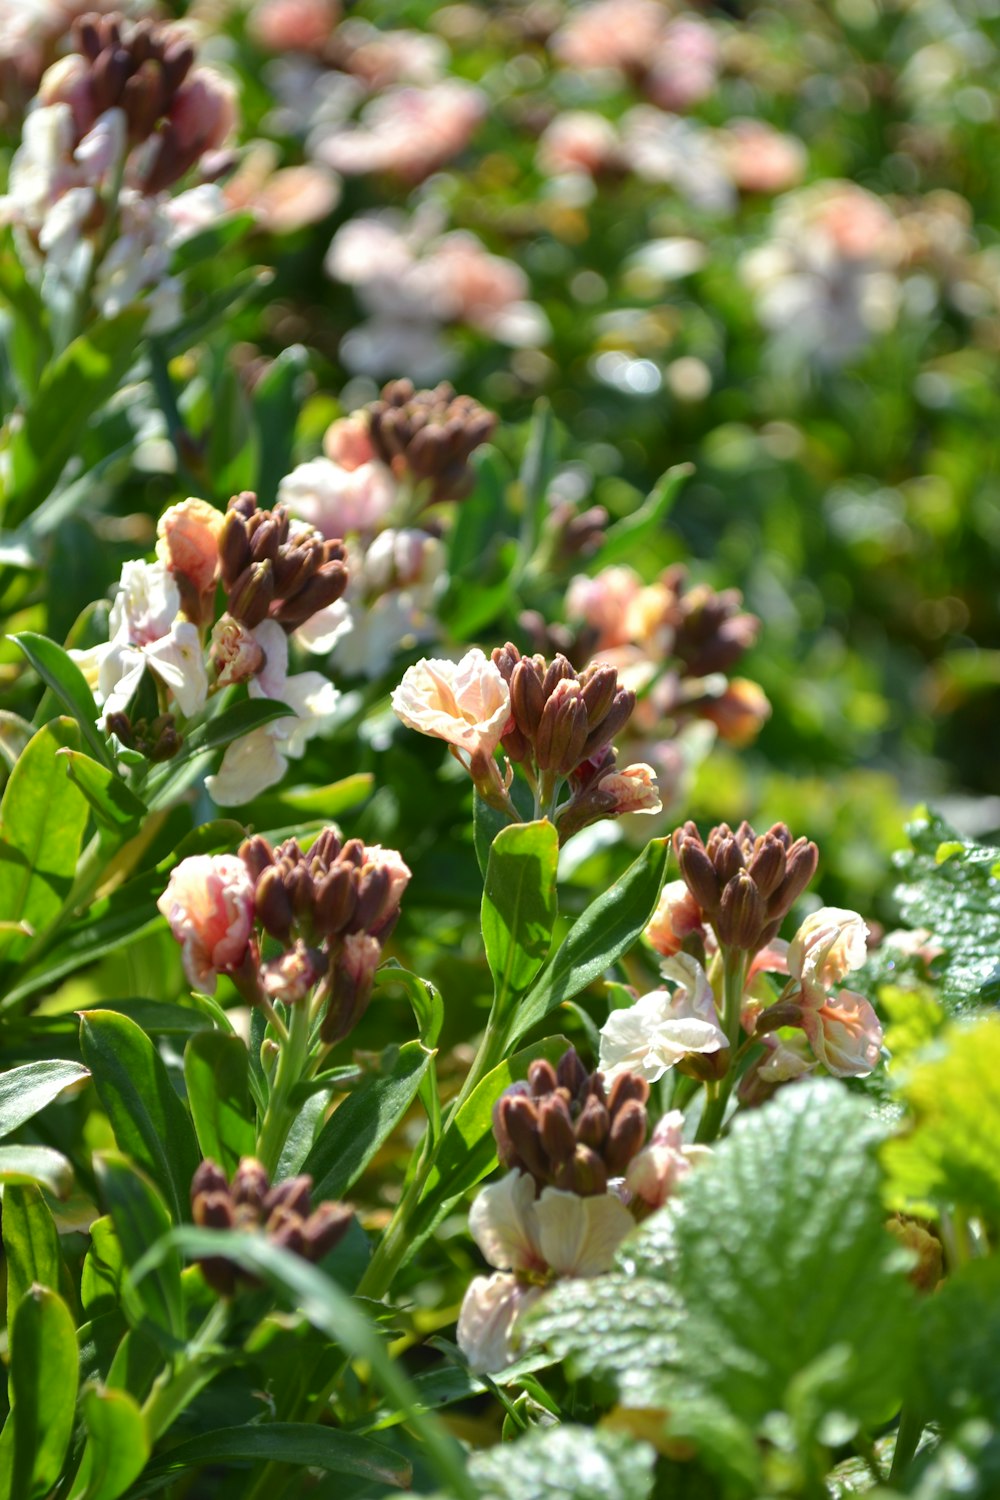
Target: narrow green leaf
[[487, 823], [166, 782], [334, 1312], [209, 243], [43, 1380], [519, 906], [117, 1444], [217, 1074], [150, 1123], [63, 677], [26, 1090], [141, 1218], [606, 930], [114, 804], [537, 470], [30, 1243], [38, 1164], [480, 518], [42, 821], [358, 1127], [425, 1000], [298, 1443], [275, 401], [625, 539]]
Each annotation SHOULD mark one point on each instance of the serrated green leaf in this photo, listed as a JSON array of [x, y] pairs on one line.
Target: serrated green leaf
[[519, 906], [217, 1074], [606, 930], [149, 1121], [956, 1374], [42, 821], [43, 1380], [26, 1090], [948, 1154], [608, 1327], [566, 1463], [64, 679]]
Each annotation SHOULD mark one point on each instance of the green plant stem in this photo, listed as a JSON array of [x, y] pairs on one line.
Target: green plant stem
[[280, 1113], [170, 1395], [907, 1438], [733, 979]]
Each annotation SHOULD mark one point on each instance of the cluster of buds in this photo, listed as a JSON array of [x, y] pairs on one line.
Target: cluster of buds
[[559, 717], [331, 908], [428, 437], [565, 1130], [745, 883], [143, 69], [275, 568], [711, 630], [283, 1213], [157, 739]]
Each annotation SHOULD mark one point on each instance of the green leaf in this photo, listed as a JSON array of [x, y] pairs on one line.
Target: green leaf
[[117, 1444], [150, 1123], [956, 1374], [37, 1164], [366, 1118], [947, 1155], [952, 887], [480, 518], [43, 1380], [30, 1243], [42, 821], [63, 677], [467, 1150], [519, 906], [334, 1312], [425, 1000], [325, 802], [26, 1090], [141, 1219], [276, 399], [487, 822], [86, 374], [208, 244], [167, 782], [615, 1326], [625, 540], [299, 1443], [537, 470], [114, 804], [606, 930], [566, 1463], [217, 1074], [15, 734]]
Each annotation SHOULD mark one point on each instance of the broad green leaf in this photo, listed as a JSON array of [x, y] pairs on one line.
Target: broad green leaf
[[358, 1126], [26, 1090], [117, 1444], [948, 1153], [42, 821], [425, 1000], [63, 677], [114, 804], [43, 1381], [38, 1164], [606, 930], [625, 539], [956, 1374], [86, 374], [467, 1150], [334, 1312], [140, 1219], [519, 906], [150, 1123], [487, 822], [613, 1327], [217, 1074], [297, 1443], [566, 1463], [30, 1244], [952, 887]]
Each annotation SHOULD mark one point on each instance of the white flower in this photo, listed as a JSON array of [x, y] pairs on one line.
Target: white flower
[[660, 1029], [829, 944], [337, 500], [146, 604], [466, 703]]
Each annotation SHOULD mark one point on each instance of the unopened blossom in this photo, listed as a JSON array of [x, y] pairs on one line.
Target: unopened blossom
[[188, 542], [633, 790], [738, 712], [209, 904], [557, 1234], [653, 1175], [338, 500], [677, 916], [661, 1028], [235, 651], [465, 703]]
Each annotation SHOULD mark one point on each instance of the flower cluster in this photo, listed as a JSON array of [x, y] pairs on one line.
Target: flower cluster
[[283, 1213], [428, 437], [745, 883], [580, 1176]]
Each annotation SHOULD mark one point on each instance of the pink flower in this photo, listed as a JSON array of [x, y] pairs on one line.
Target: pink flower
[[604, 602], [408, 132], [235, 651], [188, 541], [620, 34], [577, 141], [634, 789], [761, 159], [676, 917], [347, 442], [338, 500], [209, 905], [686, 64], [829, 944], [653, 1174], [293, 25], [465, 703], [844, 1033]]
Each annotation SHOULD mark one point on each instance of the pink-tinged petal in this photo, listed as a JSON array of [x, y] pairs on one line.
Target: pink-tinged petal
[[676, 917], [829, 944], [845, 1034], [188, 541], [465, 703], [487, 1321], [579, 1236], [179, 661], [250, 765], [503, 1223], [209, 904]]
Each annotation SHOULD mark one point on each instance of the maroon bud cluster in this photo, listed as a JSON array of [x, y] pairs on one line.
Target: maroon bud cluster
[[560, 717], [283, 1213], [745, 883], [271, 572], [157, 739], [566, 1130], [710, 630], [574, 533], [429, 436]]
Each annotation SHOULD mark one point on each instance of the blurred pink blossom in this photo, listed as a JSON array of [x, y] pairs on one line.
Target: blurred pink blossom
[[209, 905], [408, 132]]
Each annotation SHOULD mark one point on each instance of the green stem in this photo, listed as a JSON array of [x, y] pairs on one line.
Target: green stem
[[172, 1391], [907, 1439], [733, 979], [290, 1068]]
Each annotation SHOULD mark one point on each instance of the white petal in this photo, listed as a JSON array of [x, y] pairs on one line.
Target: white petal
[[250, 765], [503, 1224], [579, 1236], [486, 1323], [178, 660]]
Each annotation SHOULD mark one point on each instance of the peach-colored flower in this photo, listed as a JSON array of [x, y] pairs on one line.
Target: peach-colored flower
[[739, 712], [603, 602], [762, 159], [829, 944], [188, 541], [686, 64], [281, 199], [208, 903], [676, 917], [654, 1173], [293, 25], [466, 703], [347, 442], [634, 789], [844, 1033], [338, 500], [236, 653], [579, 140], [620, 34], [408, 132]]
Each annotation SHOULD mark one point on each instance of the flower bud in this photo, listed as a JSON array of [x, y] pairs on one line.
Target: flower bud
[[698, 872], [527, 697], [252, 594], [741, 913]]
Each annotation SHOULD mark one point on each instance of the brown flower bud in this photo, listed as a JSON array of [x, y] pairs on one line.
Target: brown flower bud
[[555, 1127], [542, 1077], [257, 854], [527, 697], [767, 864], [800, 867], [562, 729], [698, 873], [252, 594], [600, 685], [250, 1183], [571, 1074], [272, 904], [593, 1124], [324, 1229], [741, 913], [627, 1136]]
